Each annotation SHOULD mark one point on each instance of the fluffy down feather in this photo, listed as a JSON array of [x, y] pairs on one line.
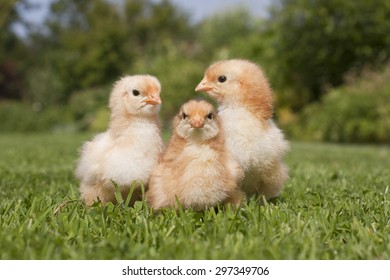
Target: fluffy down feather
[[131, 147], [245, 107], [196, 169]]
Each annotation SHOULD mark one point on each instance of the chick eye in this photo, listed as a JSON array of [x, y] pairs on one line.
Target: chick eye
[[210, 116], [183, 116], [136, 92], [222, 79]]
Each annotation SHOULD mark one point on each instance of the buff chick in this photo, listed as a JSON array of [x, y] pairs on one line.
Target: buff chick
[[196, 168], [245, 106], [131, 147]]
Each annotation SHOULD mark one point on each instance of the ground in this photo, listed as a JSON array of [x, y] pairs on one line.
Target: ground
[[334, 206]]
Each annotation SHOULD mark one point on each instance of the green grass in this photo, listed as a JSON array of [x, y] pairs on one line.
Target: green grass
[[335, 206]]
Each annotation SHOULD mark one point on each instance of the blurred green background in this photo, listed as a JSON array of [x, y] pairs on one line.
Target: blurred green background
[[327, 61]]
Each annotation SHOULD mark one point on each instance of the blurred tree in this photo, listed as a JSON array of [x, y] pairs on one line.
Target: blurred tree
[[80, 50], [304, 46], [151, 23], [361, 107], [92, 43], [12, 52], [218, 36], [317, 42]]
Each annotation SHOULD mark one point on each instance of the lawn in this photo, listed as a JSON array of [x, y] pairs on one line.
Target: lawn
[[335, 206]]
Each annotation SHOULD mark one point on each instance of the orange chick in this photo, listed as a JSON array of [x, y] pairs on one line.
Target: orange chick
[[131, 147], [196, 168], [245, 107]]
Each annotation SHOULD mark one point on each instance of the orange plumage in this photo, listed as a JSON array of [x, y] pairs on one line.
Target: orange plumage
[[196, 167], [245, 107]]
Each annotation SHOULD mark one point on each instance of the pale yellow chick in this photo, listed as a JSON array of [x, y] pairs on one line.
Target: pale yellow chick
[[131, 147], [245, 107], [196, 169]]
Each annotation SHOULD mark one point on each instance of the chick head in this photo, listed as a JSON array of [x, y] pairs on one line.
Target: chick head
[[137, 95], [197, 121], [230, 81]]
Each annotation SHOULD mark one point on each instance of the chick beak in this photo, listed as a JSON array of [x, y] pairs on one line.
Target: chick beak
[[203, 86], [197, 123], [154, 100]]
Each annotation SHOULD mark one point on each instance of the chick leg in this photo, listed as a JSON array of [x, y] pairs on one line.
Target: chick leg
[[96, 192], [235, 198], [136, 195]]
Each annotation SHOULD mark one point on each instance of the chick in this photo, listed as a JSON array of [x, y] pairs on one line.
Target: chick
[[245, 107], [131, 147], [196, 167]]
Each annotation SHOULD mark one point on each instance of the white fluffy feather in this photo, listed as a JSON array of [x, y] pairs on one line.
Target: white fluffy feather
[[132, 146], [256, 148]]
